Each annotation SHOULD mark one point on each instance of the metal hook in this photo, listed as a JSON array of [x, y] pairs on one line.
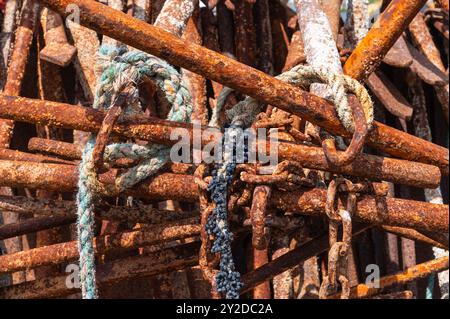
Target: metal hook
[[359, 136]]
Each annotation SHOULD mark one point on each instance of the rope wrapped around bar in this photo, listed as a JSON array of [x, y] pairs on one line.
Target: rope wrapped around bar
[[304, 76], [120, 68]]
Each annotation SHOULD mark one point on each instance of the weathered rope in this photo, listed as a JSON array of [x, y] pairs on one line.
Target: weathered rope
[[304, 76], [120, 67]]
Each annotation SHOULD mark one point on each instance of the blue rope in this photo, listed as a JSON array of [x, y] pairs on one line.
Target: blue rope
[[228, 281], [119, 68]]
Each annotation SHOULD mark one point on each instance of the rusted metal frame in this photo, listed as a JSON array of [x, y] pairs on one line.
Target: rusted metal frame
[[65, 252], [247, 80], [289, 260], [423, 39], [159, 131], [395, 212], [33, 225], [160, 262], [408, 275], [260, 240], [57, 50], [381, 37]]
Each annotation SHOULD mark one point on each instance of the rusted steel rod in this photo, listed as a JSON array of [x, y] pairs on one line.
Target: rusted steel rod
[[159, 262], [33, 225], [370, 209], [381, 37], [12, 155], [66, 252], [159, 131], [19, 57], [415, 235], [51, 207], [289, 260], [413, 273], [62, 149], [246, 79]]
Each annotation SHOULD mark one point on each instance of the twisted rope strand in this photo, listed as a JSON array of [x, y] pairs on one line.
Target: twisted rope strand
[[118, 68]]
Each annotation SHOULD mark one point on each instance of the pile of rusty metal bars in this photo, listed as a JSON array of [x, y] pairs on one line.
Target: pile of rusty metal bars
[[150, 240]]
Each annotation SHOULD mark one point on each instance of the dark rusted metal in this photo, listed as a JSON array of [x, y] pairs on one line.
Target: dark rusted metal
[[415, 235], [289, 260], [389, 95], [244, 33], [159, 131], [424, 41], [33, 225], [66, 252], [257, 84], [51, 207], [398, 56], [159, 262], [57, 50]]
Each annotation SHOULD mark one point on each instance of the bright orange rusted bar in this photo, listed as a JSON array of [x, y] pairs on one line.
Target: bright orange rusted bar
[[384, 33]]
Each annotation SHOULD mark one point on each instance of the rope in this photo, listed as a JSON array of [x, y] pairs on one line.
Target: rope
[[304, 76], [120, 67]]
